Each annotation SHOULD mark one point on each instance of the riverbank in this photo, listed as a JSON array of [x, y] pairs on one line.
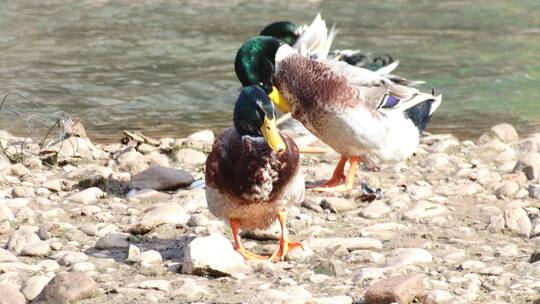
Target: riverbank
[[460, 220]]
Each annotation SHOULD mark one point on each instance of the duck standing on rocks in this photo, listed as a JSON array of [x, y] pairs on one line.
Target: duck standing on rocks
[[315, 40], [357, 112], [252, 171]]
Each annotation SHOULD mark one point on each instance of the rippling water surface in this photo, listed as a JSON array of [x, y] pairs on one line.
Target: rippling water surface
[[166, 67]]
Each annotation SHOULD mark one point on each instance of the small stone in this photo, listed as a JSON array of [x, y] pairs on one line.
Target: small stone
[[337, 204], [5, 213], [53, 185], [83, 267], [348, 243], [312, 205], [517, 221], [190, 157], [22, 191], [375, 209], [49, 266], [425, 209], [10, 295], [188, 288], [34, 285], [406, 256], [20, 239], [436, 161], [67, 287], [5, 227], [72, 258], [149, 257], [167, 213], [200, 139], [113, 240], [19, 170], [160, 178], [402, 289], [132, 162], [87, 196], [89, 229], [156, 284], [330, 300], [473, 266], [506, 133], [368, 273], [534, 191], [529, 164], [438, 296], [197, 219], [507, 189], [38, 248], [201, 257]]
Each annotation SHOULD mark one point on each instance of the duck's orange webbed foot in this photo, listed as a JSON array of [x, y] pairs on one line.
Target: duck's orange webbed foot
[[284, 244], [238, 244], [334, 184]]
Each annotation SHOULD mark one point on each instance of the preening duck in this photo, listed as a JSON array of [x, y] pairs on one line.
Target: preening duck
[[315, 40], [359, 113], [253, 171]]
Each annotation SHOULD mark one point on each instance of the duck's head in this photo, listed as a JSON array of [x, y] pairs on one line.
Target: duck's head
[[286, 31], [255, 64], [254, 115]]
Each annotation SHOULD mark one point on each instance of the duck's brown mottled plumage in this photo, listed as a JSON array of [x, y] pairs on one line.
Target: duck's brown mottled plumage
[[326, 90], [248, 171]]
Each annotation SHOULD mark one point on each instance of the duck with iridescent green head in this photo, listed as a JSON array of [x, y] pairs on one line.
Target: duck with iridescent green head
[[315, 40], [253, 171], [361, 114]]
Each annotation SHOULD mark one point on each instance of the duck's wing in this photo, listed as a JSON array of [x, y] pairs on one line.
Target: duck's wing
[[315, 40], [382, 93], [382, 64]]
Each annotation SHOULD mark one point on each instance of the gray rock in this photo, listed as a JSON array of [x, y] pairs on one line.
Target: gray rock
[[83, 267], [87, 196], [67, 287], [473, 265], [113, 240], [200, 139], [188, 289], [133, 162], [20, 238], [330, 300], [406, 256], [507, 189], [19, 170], [149, 257], [5, 227], [337, 204], [197, 219], [368, 273], [401, 289], [529, 164], [160, 178], [10, 295], [506, 133], [438, 296], [312, 205], [162, 285], [22, 191], [5, 213], [212, 255], [350, 244], [496, 223], [167, 213], [89, 229], [375, 209], [71, 258], [33, 286], [437, 161], [53, 185], [517, 221], [38, 248], [534, 191], [425, 209], [190, 157], [6, 256]]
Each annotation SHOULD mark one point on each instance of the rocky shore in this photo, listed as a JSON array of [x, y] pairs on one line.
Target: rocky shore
[[127, 223]]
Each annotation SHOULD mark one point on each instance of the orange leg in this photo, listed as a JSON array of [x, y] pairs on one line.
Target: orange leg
[[238, 244], [284, 244], [349, 179], [337, 176]]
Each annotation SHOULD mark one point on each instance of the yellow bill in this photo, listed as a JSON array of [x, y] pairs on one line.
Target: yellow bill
[[281, 102], [271, 134]]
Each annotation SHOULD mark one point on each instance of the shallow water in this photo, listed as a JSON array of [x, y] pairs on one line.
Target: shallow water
[[167, 66]]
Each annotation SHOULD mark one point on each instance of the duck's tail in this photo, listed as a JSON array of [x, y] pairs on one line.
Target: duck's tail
[[421, 113], [315, 40]]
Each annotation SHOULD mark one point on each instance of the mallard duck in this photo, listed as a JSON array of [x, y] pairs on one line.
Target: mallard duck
[[359, 113], [315, 40], [252, 171]]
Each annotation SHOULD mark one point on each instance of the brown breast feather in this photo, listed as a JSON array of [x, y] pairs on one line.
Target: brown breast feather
[[238, 166], [313, 86]]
